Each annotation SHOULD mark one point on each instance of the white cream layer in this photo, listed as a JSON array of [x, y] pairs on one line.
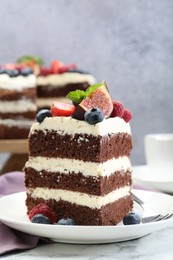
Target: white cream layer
[[17, 106], [83, 199], [55, 80], [86, 168], [17, 83], [16, 122], [71, 126]]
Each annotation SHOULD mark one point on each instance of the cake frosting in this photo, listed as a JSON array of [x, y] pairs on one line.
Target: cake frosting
[[17, 101], [60, 80]]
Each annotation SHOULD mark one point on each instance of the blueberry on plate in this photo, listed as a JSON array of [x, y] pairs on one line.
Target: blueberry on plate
[[42, 114], [66, 221], [131, 219], [40, 219], [26, 71], [94, 116]]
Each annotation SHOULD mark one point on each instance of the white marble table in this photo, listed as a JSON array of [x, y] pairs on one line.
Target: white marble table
[[156, 246]]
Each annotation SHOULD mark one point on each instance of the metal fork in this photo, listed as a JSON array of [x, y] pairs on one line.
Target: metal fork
[[154, 218]]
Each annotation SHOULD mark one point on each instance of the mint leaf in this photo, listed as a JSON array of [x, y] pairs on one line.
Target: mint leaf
[[92, 88], [26, 58], [76, 96]]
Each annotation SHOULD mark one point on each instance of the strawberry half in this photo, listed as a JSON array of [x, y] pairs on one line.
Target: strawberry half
[[45, 210], [62, 109], [55, 66]]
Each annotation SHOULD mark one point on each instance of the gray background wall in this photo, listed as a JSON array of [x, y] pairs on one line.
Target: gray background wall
[[127, 42]]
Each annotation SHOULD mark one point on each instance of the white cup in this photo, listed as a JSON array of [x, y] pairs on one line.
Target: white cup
[[159, 155]]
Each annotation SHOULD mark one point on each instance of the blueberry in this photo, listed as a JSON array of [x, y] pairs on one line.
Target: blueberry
[[42, 114], [66, 221], [94, 116], [131, 219], [26, 71], [40, 219], [2, 71], [12, 73]]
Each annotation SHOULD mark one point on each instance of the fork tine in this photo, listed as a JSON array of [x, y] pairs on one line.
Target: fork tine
[[163, 217], [167, 216]]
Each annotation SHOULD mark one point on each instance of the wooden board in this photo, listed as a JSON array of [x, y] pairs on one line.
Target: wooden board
[[17, 146]]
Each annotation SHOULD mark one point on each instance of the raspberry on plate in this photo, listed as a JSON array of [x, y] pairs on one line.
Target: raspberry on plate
[[44, 210]]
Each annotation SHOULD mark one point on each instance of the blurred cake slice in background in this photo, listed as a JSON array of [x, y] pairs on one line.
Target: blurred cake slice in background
[[58, 80], [17, 101]]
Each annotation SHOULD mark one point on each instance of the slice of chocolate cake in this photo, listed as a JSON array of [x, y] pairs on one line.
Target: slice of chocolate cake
[[81, 168], [17, 101]]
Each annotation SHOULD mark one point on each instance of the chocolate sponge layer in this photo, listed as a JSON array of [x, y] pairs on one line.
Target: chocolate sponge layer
[[82, 147], [77, 182], [110, 214], [59, 91]]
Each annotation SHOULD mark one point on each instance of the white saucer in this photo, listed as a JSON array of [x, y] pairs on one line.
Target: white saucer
[[143, 176], [13, 214]]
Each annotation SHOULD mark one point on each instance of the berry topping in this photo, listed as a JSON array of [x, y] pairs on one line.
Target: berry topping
[[42, 114], [55, 66], [96, 95], [66, 221], [40, 219], [9, 66], [62, 109], [94, 116], [45, 71], [127, 116], [13, 72], [26, 71], [44, 210], [2, 71], [118, 109], [131, 219]]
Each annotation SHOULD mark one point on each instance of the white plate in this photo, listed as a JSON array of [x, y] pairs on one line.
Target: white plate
[[142, 175], [13, 214]]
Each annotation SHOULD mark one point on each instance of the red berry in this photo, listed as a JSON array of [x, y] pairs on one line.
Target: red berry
[[45, 210], [65, 68], [127, 116], [45, 71], [9, 66], [55, 66], [118, 109], [62, 109]]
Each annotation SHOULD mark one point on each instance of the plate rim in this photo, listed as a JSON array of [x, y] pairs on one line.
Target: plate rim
[[135, 177]]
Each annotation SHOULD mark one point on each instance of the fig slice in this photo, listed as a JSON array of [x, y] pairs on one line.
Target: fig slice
[[99, 98]]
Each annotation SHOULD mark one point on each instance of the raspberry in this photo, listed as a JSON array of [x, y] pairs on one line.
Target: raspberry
[[45, 210], [118, 109], [127, 116], [45, 71]]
